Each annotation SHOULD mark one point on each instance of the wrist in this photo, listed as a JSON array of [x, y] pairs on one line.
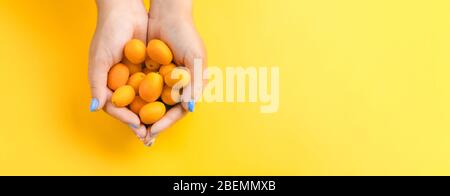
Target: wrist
[[171, 9], [111, 5]]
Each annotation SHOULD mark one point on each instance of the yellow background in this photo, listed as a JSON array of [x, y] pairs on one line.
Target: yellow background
[[364, 90]]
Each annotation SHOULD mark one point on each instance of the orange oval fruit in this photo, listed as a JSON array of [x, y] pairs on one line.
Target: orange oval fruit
[[137, 104], [177, 78], [151, 65], [135, 51], [169, 96], [123, 96], [152, 112], [165, 69], [159, 52], [134, 68], [146, 70], [118, 76], [151, 87], [135, 80]]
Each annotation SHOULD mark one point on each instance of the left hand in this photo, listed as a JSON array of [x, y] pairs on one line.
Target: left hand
[[171, 21]]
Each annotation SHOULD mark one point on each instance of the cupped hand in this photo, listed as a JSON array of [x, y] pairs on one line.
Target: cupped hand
[[118, 22], [171, 21]]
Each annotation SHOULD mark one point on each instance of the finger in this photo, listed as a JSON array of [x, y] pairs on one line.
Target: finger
[[141, 131], [170, 118], [196, 63], [98, 73], [127, 117]]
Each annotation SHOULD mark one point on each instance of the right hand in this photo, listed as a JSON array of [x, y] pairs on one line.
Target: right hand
[[118, 22]]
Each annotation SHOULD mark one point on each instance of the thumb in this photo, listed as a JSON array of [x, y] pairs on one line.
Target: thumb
[[98, 73], [193, 91]]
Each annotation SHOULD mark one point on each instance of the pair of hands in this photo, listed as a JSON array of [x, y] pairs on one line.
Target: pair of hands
[[121, 20]]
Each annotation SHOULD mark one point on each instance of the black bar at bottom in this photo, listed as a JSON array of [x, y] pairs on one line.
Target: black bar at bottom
[[234, 185]]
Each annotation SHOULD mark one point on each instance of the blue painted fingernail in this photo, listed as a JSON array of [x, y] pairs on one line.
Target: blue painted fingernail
[[133, 126], [191, 105], [94, 105]]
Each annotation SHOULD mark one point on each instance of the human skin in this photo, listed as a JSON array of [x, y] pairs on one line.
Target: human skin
[[171, 21], [121, 20]]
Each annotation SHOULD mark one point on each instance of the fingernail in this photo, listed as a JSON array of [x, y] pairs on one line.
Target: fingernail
[[151, 142], [133, 126], [191, 105], [139, 133], [148, 138], [142, 139], [94, 105]]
